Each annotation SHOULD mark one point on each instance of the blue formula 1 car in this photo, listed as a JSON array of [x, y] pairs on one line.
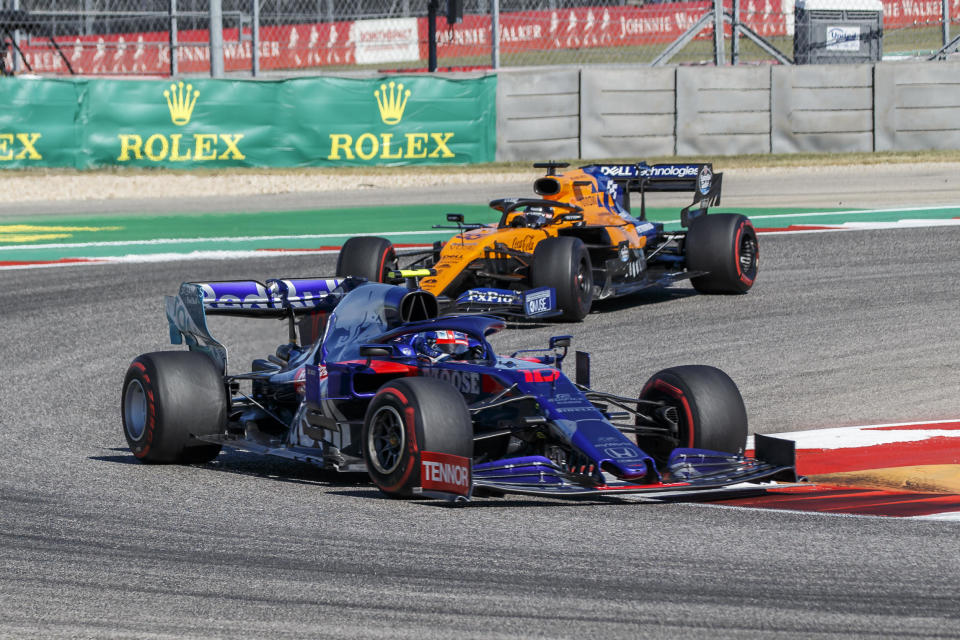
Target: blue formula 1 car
[[374, 380]]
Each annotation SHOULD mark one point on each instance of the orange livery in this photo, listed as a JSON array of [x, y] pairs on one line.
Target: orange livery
[[576, 242]]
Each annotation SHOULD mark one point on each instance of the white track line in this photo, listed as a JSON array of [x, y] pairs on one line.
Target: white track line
[[228, 255], [864, 435], [160, 241]]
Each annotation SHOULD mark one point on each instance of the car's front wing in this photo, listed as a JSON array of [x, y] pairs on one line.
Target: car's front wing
[[688, 471]]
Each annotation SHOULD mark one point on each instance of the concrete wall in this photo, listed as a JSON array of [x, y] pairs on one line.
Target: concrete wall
[[629, 112], [917, 106], [538, 115], [821, 108], [723, 113]]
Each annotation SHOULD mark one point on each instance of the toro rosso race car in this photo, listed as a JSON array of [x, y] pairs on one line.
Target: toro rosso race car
[[378, 382], [576, 243]]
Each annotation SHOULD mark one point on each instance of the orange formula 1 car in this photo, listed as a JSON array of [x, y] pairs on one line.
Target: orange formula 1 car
[[578, 242]]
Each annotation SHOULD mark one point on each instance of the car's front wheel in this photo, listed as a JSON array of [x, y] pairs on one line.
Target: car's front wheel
[[169, 397], [563, 263], [407, 417], [703, 407]]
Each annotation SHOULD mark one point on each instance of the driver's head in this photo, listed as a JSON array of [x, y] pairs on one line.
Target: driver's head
[[434, 344], [451, 342], [538, 216]]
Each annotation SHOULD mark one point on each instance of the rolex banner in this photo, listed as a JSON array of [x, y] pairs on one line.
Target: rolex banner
[[202, 123]]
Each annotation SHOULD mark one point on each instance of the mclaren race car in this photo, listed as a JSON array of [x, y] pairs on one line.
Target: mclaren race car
[[374, 380], [576, 243]]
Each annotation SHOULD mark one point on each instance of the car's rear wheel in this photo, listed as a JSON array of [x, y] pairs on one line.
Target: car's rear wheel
[[405, 418], [725, 246], [169, 397], [367, 257], [703, 407], [564, 264]]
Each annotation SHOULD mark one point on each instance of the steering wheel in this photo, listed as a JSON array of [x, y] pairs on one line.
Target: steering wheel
[[509, 205]]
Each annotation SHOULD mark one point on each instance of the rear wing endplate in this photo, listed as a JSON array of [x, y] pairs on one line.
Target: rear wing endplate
[[187, 311]]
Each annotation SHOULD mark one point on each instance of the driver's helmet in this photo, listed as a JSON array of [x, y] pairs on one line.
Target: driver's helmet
[[435, 344], [536, 217]]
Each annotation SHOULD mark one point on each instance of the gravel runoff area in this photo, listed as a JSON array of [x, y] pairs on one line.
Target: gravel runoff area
[[60, 186]]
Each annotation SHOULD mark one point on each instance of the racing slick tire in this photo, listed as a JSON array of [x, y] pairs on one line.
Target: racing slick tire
[[564, 264], [367, 257], [724, 245], [409, 416], [168, 398], [709, 411]]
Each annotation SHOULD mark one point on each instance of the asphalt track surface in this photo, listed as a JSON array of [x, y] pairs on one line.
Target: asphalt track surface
[[841, 329]]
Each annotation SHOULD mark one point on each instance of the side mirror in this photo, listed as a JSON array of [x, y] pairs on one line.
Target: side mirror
[[572, 217], [375, 350], [455, 217], [559, 345]]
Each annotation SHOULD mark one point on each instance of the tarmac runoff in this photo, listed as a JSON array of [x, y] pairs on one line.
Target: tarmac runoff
[[95, 240]]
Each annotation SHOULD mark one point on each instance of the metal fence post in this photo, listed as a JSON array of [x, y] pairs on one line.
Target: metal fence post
[[735, 34], [495, 33], [16, 40], [946, 22], [88, 17], [216, 38], [718, 52], [173, 38], [255, 40], [432, 7]]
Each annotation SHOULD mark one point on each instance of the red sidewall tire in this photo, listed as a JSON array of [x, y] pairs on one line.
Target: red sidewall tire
[[168, 398], [367, 257], [709, 406], [429, 415], [725, 246], [564, 264]]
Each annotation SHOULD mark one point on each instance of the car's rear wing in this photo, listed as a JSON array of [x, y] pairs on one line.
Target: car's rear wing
[[642, 178], [287, 298]]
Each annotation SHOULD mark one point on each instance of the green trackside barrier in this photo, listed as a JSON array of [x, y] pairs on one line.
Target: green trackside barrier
[[306, 122]]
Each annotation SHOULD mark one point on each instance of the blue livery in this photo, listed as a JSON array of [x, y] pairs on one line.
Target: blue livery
[[375, 379]]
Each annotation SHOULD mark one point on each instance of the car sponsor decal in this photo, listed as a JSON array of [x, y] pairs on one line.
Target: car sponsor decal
[[624, 452], [467, 382], [489, 296], [620, 170], [445, 473], [670, 171], [705, 180], [540, 375], [539, 301]]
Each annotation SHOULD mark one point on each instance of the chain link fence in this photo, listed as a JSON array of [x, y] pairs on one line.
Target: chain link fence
[[136, 37]]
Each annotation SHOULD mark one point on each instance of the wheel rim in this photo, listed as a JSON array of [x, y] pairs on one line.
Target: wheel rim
[[135, 410], [747, 254], [390, 263], [386, 440], [659, 447], [583, 281]]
